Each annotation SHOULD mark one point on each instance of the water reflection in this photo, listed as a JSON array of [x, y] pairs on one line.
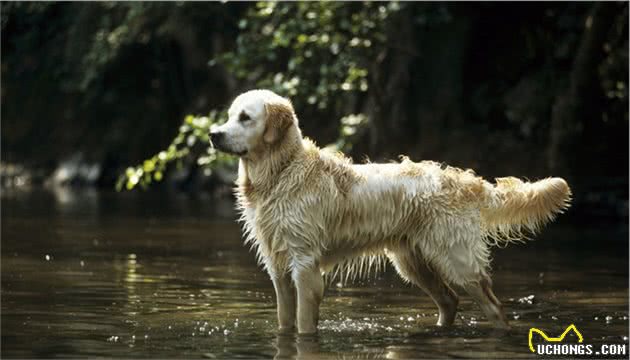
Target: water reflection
[[108, 275], [290, 346]]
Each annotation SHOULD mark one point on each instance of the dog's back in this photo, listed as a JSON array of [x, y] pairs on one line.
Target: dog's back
[[408, 195]]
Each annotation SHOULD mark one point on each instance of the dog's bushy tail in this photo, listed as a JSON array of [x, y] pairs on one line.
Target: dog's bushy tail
[[515, 208]]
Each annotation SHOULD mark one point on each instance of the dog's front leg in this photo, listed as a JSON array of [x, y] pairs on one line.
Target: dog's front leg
[[310, 290], [285, 299]]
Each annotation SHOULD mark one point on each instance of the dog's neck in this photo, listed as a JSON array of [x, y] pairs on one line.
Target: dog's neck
[[259, 172]]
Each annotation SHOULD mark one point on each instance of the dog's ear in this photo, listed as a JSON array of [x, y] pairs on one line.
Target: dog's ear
[[279, 119]]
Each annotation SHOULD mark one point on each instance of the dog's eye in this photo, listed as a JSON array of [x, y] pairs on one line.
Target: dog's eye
[[243, 117]]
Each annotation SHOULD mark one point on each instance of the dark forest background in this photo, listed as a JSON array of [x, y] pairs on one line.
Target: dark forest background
[[91, 90]]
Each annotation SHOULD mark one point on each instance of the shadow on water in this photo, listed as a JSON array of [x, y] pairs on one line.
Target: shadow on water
[[146, 275]]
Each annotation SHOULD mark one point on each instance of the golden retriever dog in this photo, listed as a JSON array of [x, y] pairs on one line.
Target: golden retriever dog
[[308, 211]]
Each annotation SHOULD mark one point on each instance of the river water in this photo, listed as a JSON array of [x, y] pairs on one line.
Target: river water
[[101, 274]]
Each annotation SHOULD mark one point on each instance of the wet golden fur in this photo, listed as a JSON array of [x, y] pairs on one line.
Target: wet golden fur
[[309, 211]]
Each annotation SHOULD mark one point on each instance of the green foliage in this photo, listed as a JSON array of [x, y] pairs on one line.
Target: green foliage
[[93, 77], [113, 78], [194, 130], [316, 53]]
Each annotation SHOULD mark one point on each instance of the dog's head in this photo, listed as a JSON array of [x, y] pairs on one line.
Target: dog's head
[[257, 119]]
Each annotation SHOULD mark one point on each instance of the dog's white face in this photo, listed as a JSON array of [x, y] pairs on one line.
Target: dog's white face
[[247, 124]]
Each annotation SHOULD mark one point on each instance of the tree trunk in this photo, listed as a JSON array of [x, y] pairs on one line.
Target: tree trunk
[[575, 106]]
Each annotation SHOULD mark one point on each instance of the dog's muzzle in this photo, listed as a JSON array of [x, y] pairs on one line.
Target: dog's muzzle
[[218, 142], [217, 137]]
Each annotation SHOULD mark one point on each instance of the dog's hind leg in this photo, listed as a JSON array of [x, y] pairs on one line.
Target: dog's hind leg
[[467, 261], [413, 268], [481, 291]]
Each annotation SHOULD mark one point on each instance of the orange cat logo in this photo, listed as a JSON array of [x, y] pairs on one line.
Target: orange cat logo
[[553, 339]]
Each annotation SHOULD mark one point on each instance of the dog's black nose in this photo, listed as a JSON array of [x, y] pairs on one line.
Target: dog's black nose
[[216, 136]]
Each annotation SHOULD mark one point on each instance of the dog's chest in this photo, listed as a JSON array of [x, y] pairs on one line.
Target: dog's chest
[[263, 235]]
